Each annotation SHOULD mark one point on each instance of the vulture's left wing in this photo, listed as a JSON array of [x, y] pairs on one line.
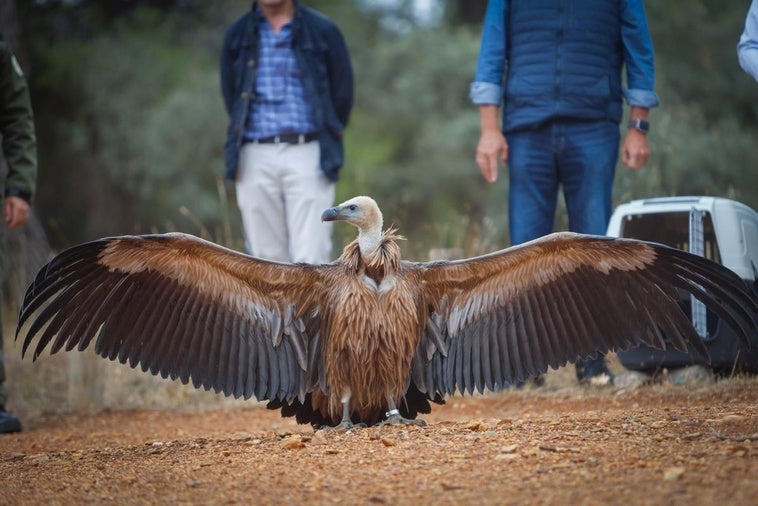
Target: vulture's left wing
[[182, 307], [500, 318]]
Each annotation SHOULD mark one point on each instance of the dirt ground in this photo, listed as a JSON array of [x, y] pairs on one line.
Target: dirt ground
[[656, 444]]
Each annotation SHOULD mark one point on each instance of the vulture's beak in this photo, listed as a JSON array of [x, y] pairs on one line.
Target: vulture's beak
[[331, 214]]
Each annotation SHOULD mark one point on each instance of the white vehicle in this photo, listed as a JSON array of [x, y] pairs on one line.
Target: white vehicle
[[719, 229]]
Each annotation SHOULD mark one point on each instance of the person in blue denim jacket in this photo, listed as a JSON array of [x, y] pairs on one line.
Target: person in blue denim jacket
[[555, 67], [747, 48], [287, 85]]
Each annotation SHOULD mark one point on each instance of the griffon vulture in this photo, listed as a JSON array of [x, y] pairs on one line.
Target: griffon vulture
[[370, 337]]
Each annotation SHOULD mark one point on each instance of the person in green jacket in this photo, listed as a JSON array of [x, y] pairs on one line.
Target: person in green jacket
[[19, 144]]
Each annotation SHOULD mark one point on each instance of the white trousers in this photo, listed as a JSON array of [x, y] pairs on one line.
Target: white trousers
[[281, 193]]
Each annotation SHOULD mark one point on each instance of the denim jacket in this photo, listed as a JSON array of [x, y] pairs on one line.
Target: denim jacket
[[562, 59], [324, 63]]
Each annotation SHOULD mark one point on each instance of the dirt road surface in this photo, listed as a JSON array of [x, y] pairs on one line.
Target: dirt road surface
[[657, 444]]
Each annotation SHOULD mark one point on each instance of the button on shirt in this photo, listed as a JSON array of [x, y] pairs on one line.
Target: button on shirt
[[280, 104]]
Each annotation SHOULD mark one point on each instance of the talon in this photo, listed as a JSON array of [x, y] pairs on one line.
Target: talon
[[396, 419], [344, 425]]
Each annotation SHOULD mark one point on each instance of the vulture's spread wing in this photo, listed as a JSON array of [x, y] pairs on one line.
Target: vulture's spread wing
[[185, 308], [499, 318]]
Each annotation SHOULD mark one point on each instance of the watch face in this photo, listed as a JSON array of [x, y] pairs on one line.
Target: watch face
[[640, 124]]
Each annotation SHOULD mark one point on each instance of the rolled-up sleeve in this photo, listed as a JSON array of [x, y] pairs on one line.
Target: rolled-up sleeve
[[638, 56], [487, 87], [747, 48]]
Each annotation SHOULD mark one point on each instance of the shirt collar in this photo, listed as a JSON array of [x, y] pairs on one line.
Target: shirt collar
[[259, 14]]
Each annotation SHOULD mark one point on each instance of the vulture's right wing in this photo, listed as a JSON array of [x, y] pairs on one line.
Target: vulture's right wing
[[183, 308], [499, 318]]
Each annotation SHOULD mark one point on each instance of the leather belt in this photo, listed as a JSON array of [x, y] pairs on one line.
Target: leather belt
[[285, 139]]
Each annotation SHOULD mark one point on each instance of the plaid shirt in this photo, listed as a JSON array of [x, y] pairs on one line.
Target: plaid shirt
[[280, 105]]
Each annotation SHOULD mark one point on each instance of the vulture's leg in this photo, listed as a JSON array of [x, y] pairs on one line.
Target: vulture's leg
[[346, 423], [394, 418]]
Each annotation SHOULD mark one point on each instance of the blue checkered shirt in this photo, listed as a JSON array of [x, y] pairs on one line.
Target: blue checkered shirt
[[280, 105]]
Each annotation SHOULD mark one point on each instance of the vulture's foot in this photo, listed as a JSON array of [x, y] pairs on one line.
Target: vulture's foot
[[396, 419], [344, 425]]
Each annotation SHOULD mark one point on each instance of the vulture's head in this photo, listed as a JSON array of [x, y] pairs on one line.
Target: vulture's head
[[363, 213]]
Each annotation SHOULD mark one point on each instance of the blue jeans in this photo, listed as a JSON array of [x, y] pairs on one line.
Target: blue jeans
[[579, 156]]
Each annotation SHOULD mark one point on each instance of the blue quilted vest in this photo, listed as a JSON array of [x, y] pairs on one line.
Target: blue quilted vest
[[564, 61]]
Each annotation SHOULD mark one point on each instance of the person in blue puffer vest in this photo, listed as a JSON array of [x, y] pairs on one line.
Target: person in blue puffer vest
[[555, 67]]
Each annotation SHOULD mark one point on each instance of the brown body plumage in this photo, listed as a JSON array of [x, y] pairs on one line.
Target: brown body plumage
[[369, 337], [376, 304]]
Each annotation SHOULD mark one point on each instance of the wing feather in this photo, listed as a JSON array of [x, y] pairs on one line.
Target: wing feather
[[183, 308], [313, 365], [437, 371], [477, 369], [580, 320], [154, 351], [99, 316], [166, 360], [190, 347], [232, 359], [548, 331], [585, 297], [43, 289], [493, 354], [468, 346], [512, 347], [539, 328], [484, 379], [245, 367], [262, 370], [286, 373], [459, 379], [131, 348], [59, 320], [124, 326], [82, 294], [223, 345], [528, 337], [565, 297], [736, 316]]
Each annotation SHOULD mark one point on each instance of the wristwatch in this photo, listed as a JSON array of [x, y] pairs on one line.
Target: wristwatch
[[641, 125]]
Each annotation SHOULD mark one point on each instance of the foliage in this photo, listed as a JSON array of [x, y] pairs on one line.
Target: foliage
[[695, 42], [411, 140], [130, 119], [703, 137], [131, 123]]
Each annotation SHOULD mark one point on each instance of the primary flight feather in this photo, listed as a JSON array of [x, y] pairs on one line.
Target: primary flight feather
[[370, 337]]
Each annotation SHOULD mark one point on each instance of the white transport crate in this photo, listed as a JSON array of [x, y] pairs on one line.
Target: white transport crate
[[720, 229]]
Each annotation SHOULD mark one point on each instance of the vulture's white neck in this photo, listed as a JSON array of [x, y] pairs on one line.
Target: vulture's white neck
[[370, 229], [369, 239]]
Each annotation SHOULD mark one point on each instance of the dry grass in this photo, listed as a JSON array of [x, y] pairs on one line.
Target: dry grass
[[82, 382]]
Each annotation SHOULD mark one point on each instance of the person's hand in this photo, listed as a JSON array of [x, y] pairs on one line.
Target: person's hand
[[15, 211], [635, 150], [491, 151]]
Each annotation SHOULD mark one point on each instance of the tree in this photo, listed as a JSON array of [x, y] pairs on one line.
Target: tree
[[131, 124]]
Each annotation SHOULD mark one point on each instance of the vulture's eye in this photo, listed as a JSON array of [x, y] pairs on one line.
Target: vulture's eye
[[353, 207]]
